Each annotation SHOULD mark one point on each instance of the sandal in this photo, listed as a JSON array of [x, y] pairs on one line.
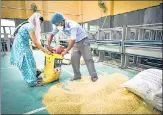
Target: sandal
[[39, 80], [37, 85], [38, 73]]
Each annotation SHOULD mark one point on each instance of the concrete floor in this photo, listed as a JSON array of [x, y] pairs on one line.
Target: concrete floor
[[17, 98]]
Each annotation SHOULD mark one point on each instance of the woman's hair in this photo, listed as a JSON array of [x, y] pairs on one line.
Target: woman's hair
[[41, 18], [35, 21]]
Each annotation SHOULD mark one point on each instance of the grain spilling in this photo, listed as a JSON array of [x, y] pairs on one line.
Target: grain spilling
[[102, 97]]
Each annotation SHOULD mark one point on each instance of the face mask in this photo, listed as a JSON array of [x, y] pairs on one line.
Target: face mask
[[60, 27]]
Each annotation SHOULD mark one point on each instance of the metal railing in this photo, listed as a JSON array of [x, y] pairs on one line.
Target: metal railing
[[133, 43], [130, 44], [142, 42]]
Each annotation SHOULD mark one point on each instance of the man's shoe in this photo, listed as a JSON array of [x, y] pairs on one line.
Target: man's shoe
[[75, 78], [94, 78]]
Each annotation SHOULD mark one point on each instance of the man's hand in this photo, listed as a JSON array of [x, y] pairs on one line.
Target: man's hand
[[64, 52], [71, 44]]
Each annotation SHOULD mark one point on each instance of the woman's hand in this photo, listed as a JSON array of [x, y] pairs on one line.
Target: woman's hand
[[37, 44], [50, 49], [47, 51]]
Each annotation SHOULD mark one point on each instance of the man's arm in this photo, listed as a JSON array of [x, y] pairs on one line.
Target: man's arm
[[73, 38], [71, 44], [50, 40], [54, 32]]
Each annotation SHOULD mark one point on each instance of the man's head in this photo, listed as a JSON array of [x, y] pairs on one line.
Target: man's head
[[57, 19]]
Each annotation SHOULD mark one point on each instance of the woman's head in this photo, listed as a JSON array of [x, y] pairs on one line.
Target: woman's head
[[36, 19], [41, 19]]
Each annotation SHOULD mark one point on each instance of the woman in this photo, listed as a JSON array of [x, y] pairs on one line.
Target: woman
[[21, 54]]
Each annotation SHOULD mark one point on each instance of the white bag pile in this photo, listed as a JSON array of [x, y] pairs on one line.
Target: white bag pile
[[157, 100], [148, 85]]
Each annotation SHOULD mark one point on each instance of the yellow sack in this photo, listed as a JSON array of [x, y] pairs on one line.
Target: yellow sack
[[52, 68]]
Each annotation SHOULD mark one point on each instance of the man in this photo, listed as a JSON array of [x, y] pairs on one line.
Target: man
[[79, 43]]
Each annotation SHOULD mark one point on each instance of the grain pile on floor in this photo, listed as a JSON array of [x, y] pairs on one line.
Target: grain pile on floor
[[86, 97]]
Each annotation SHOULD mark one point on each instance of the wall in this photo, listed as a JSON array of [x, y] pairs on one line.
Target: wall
[[73, 9], [144, 16], [128, 6], [119, 13], [148, 15], [91, 10], [22, 9], [28, 6], [13, 13], [68, 8]]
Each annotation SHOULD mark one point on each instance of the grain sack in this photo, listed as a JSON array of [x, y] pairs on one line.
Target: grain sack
[[58, 50], [157, 100], [86, 97], [146, 84]]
